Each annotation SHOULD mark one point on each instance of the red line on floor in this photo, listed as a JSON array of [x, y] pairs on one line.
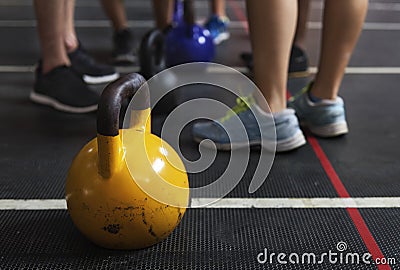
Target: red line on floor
[[328, 168], [354, 213]]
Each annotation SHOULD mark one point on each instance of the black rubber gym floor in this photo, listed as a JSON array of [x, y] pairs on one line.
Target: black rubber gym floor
[[38, 144]]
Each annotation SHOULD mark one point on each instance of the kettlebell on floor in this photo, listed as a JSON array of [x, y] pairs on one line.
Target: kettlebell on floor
[[184, 42], [105, 202]]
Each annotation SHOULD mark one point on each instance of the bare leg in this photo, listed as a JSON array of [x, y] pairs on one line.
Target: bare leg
[[70, 39], [301, 29], [272, 50], [163, 11], [218, 8], [50, 17], [115, 10], [343, 20]]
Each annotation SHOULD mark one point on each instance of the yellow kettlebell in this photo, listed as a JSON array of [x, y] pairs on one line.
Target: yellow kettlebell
[[104, 200]]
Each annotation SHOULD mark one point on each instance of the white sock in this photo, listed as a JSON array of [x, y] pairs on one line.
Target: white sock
[[261, 111]]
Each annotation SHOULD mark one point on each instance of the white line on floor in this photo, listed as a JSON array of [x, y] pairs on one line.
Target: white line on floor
[[366, 70], [17, 69], [382, 26], [33, 205], [234, 203], [313, 70], [136, 4], [377, 6], [367, 26], [274, 203]]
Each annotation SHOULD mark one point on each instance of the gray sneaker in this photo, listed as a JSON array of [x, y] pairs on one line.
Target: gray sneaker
[[259, 129], [325, 118]]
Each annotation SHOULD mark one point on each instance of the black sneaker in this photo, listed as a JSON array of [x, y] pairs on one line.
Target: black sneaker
[[91, 71], [124, 46], [298, 63], [63, 90]]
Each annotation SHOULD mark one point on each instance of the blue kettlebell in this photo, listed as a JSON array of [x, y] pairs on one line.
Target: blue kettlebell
[[186, 41]]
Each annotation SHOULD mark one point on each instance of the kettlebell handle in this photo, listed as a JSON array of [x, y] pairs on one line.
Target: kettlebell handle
[[110, 152], [112, 99]]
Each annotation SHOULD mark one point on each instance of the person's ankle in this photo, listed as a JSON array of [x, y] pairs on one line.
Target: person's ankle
[[322, 91], [316, 96], [71, 44], [121, 28], [220, 15], [47, 67], [313, 98]]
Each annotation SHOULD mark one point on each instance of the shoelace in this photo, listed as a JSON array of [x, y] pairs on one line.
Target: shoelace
[[305, 89], [242, 105]]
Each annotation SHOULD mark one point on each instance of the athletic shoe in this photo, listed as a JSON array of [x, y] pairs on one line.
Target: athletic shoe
[[285, 124], [124, 46], [218, 27], [64, 90], [91, 71], [298, 62], [325, 118]]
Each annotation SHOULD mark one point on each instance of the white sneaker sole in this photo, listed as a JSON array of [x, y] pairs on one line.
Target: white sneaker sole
[[45, 100], [288, 144], [100, 79], [331, 130], [221, 38], [291, 143], [125, 58]]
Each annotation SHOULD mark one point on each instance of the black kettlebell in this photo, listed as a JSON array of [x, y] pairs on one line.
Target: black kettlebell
[[151, 56]]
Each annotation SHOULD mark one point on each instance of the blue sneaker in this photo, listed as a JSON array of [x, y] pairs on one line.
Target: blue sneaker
[[285, 124], [325, 118], [218, 27]]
